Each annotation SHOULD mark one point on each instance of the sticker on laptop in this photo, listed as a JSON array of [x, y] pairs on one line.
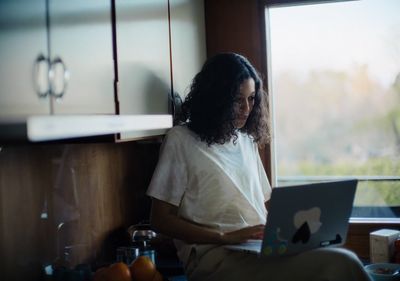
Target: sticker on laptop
[[275, 243], [307, 222]]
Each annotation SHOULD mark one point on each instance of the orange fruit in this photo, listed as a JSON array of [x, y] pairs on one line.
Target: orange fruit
[[143, 269], [100, 275], [158, 276], [118, 272]]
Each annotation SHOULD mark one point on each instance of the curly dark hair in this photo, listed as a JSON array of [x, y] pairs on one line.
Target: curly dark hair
[[208, 109]]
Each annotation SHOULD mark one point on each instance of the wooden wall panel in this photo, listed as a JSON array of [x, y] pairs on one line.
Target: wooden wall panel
[[236, 26], [21, 204], [96, 190]]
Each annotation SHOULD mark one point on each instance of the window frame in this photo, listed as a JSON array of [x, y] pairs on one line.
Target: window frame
[[359, 228], [291, 179]]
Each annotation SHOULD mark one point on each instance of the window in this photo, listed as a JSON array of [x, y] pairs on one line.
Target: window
[[335, 84]]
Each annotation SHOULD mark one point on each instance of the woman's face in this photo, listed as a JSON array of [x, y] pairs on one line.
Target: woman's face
[[244, 102]]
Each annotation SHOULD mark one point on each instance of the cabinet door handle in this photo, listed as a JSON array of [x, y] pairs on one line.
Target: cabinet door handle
[[56, 90], [40, 76]]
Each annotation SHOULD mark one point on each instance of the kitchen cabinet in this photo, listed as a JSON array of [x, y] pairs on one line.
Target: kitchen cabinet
[[81, 36], [188, 47], [157, 54], [61, 58], [23, 49], [143, 57], [56, 57]]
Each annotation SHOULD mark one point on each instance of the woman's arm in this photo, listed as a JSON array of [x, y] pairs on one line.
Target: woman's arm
[[266, 203], [164, 218]]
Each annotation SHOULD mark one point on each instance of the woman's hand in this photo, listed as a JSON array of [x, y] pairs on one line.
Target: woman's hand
[[164, 218], [244, 234]]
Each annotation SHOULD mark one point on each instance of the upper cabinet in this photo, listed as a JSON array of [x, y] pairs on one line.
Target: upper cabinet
[[118, 58], [81, 54], [56, 57], [160, 47], [24, 58], [188, 47], [143, 58]]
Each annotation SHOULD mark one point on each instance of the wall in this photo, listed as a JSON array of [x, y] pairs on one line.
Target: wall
[[95, 189]]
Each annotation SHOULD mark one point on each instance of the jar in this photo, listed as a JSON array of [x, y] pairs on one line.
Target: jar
[[142, 240], [142, 237], [127, 254]]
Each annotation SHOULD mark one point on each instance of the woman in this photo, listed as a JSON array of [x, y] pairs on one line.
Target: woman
[[210, 189]]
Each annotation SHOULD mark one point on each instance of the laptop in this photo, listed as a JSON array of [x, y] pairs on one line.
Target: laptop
[[304, 217]]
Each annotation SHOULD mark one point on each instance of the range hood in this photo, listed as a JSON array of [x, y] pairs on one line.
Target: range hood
[[40, 128]]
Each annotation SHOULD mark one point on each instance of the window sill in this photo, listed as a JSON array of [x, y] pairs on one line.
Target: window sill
[[375, 221]]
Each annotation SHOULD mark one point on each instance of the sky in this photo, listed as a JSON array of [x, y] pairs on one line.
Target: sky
[[338, 36]]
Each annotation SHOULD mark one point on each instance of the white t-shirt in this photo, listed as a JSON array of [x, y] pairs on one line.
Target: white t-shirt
[[218, 186]]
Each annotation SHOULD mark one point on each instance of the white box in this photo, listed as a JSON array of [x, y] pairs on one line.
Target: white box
[[381, 245]]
